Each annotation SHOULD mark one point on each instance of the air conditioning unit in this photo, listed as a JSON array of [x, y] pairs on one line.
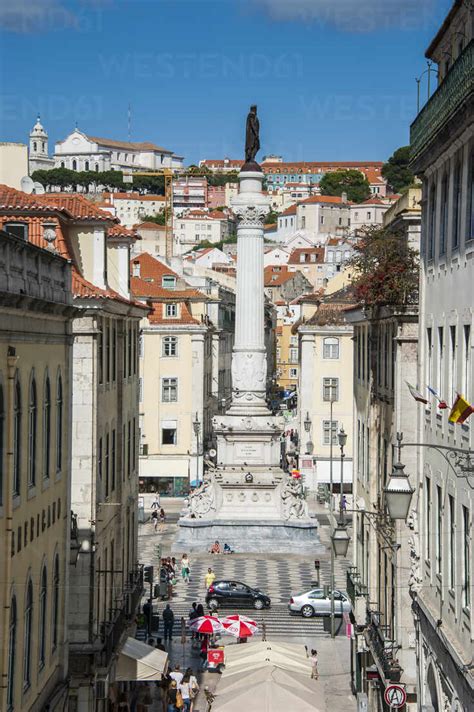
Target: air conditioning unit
[[101, 688]]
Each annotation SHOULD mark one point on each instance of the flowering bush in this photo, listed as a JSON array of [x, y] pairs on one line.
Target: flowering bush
[[386, 269]]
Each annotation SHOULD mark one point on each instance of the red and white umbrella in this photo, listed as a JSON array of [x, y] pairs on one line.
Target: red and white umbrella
[[206, 624], [240, 626]]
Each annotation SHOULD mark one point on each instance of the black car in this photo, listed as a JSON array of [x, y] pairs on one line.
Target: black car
[[234, 594]]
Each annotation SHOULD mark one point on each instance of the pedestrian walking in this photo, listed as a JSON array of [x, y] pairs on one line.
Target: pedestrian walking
[[314, 664], [209, 578], [162, 519], [176, 674], [203, 652], [154, 519], [343, 503], [185, 688], [185, 569], [194, 686], [156, 503], [168, 622], [172, 696]]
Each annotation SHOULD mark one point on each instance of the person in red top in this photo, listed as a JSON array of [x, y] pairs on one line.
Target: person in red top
[[203, 653]]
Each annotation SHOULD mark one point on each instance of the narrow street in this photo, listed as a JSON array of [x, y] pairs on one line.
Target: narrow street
[[279, 576]]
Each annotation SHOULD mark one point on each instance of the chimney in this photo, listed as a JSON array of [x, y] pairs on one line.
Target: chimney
[[344, 197], [136, 268]]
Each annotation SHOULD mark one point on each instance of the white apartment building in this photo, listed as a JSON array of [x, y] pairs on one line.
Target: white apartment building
[[198, 226], [442, 150], [81, 152], [133, 208], [368, 214], [325, 353]]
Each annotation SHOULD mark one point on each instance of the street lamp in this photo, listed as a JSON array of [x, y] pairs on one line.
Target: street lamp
[[197, 430], [307, 422], [398, 493], [340, 540]]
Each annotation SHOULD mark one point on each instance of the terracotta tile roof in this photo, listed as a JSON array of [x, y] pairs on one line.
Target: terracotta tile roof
[[319, 166], [270, 226], [121, 231], [185, 317], [311, 298], [374, 200], [151, 267], [12, 199], [330, 199], [130, 145], [142, 288], [36, 229], [275, 276], [290, 211], [221, 163], [295, 257], [329, 314], [83, 289], [77, 205], [149, 226]]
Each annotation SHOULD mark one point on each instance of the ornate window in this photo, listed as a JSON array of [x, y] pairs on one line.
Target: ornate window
[[42, 618], [331, 348], [27, 636], [46, 428], [59, 424], [32, 432], [11, 655]]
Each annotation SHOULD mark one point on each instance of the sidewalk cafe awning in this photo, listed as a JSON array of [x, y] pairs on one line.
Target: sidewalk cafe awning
[[139, 661]]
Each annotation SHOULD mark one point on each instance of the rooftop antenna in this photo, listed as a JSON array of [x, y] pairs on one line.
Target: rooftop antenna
[[129, 122]]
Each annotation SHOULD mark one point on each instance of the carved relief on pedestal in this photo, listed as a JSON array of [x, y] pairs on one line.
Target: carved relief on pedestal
[[254, 497], [242, 496], [202, 500], [249, 370], [293, 500]]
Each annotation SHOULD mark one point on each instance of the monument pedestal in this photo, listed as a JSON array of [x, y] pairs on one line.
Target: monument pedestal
[[248, 501]]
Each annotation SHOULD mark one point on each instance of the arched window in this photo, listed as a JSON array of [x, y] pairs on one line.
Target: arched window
[[74, 165], [17, 438], [2, 441], [46, 428], [11, 654], [86, 166], [331, 348], [55, 611], [96, 167], [27, 637], [63, 165], [32, 426], [43, 145], [35, 146], [59, 424], [42, 617]]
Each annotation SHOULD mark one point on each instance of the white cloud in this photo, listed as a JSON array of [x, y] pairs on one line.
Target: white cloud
[[351, 15]]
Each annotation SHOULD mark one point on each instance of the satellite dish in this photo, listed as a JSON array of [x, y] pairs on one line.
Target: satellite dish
[[212, 452], [38, 188], [27, 184]]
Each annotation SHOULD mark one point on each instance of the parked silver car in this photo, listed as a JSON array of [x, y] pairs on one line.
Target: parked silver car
[[316, 603]]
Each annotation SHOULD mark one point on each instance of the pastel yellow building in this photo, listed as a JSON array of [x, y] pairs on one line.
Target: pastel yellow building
[[35, 428]]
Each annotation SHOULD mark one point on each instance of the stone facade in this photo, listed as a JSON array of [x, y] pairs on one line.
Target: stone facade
[[35, 431]]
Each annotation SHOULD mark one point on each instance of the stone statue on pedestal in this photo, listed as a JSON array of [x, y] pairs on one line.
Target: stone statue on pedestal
[[293, 499], [202, 501], [252, 136]]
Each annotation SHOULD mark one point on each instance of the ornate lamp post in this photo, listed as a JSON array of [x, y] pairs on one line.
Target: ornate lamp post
[[197, 431]]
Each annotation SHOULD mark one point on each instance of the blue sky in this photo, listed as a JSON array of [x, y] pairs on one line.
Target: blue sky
[[333, 79]]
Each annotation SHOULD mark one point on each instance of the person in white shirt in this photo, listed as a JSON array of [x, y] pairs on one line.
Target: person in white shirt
[[176, 675], [193, 685], [185, 688]]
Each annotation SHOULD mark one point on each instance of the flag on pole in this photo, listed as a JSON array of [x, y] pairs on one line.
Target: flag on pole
[[442, 405], [461, 410], [415, 393]]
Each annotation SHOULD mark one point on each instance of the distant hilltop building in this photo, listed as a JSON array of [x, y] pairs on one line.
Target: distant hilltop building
[[279, 173], [80, 152], [38, 158]]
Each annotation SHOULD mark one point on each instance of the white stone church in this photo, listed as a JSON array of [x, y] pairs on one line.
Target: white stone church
[[80, 152]]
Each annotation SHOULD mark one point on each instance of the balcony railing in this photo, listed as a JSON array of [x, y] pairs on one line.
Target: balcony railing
[[355, 589], [383, 647], [448, 97]]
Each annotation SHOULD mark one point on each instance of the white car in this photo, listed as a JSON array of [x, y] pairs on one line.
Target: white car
[[317, 603]]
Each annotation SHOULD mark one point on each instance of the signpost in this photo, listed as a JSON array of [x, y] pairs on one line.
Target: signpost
[[395, 696]]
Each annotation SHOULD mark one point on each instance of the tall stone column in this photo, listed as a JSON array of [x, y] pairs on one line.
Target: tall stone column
[[249, 364]]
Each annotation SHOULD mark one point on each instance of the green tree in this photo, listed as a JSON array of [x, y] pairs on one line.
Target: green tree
[[352, 182], [149, 184], [158, 219], [396, 171], [386, 269], [271, 218]]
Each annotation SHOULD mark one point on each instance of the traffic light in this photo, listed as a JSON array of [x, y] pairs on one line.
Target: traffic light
[[317, 564], [148, 574]]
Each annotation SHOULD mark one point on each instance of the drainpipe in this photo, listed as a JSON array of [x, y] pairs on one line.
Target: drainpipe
[[12, 360]]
